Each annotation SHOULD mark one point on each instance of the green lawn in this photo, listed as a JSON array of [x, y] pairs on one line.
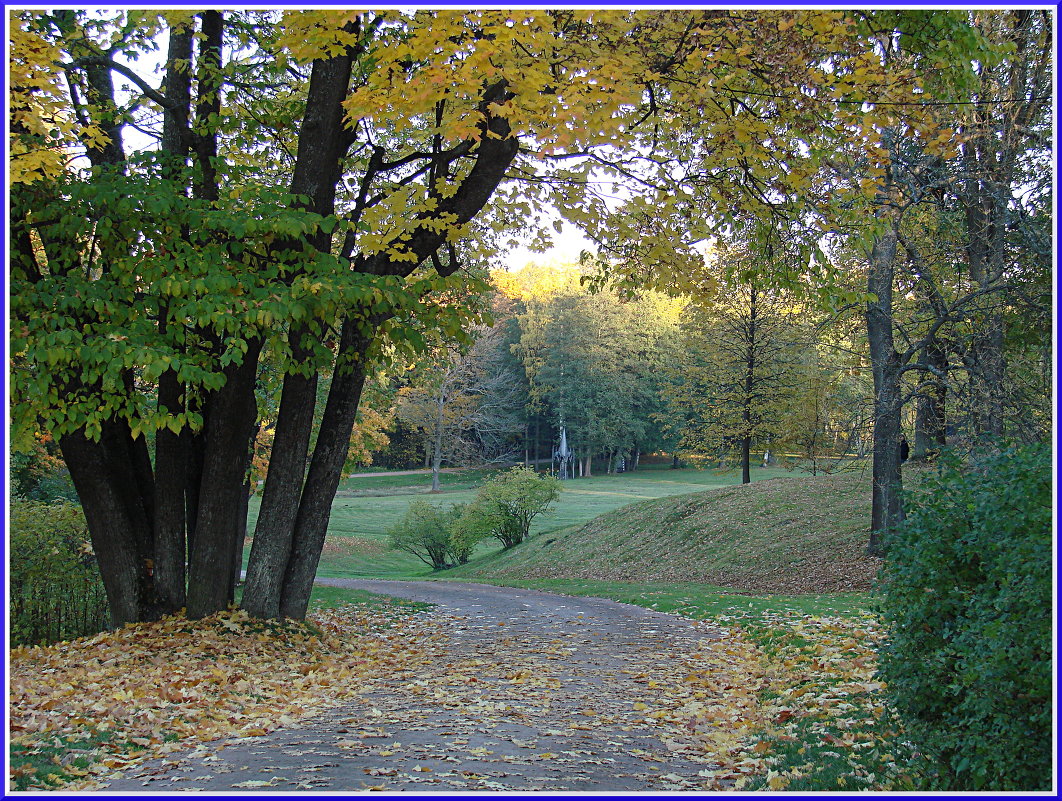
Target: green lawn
[[365, 507]]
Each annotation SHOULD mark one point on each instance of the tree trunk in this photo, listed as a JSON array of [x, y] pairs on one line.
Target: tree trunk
[[886, 506], [171, 549], [637, 458], [271, 546], [117, 524], [229, 429], [170, 463], [326, 467], [930, 417], [322, 145], [437, 442]]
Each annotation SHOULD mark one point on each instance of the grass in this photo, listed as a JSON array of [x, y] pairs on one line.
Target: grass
[[793, 535], [64, 758], [324, 597], [365, 507]]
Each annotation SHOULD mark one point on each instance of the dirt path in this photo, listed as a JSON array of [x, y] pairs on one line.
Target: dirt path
[[521, 690]]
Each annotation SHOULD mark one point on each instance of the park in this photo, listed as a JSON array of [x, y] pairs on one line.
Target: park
[[565, 401]]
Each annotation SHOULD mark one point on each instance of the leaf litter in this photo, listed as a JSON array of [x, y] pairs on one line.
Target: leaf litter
[[705, 713]]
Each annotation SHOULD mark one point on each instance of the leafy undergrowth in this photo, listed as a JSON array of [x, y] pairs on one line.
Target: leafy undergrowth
[[82, 710]]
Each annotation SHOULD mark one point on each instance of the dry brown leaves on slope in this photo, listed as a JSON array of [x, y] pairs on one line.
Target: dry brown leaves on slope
[[169, 685]]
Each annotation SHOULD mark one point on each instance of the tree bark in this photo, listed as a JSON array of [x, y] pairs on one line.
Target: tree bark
[[170, 448], [930, 415], [230, 426], [333, 442], [117, 523], [437, 442], [169, 529], [271, 546], [208, 105], [886, 505], [322, 144]]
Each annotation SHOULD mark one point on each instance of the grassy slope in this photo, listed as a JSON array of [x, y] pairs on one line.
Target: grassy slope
[[790, 535], [365, 507]]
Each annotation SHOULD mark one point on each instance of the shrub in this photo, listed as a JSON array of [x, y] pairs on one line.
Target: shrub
[[967, 603], [463, 540], [505, 506], [424, 532], [56, 590]]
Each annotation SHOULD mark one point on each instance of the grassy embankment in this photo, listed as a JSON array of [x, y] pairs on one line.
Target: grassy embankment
[[366, 506]]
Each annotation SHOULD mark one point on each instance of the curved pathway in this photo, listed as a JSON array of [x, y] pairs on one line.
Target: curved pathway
[[524, 690]]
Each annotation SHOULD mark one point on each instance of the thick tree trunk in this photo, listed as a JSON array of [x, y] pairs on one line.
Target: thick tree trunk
[[117, 523], [171, 455], [169, 534], [326, 467], [208, 107], [886, 505], [322, 145], [271, 546], [930, 414], [195, 447], [230, 427]]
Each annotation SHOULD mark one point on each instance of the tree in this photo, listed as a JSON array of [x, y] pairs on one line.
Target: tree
[[506, 505], [737, 375], [593, 359], [318, 179], [466, 402], [875, 100]]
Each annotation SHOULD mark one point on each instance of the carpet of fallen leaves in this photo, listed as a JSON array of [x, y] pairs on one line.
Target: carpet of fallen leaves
[[826, 723], [166, 686], [777, 679], [729, 706]]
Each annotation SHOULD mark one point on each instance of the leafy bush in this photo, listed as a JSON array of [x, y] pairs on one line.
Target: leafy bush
[[56, 590], [967, 603], [505, 506], [424, 532]]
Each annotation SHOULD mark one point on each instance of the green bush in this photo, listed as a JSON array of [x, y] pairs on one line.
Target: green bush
[[55, 590], [424, 532], [505, 506], [967, 600]]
